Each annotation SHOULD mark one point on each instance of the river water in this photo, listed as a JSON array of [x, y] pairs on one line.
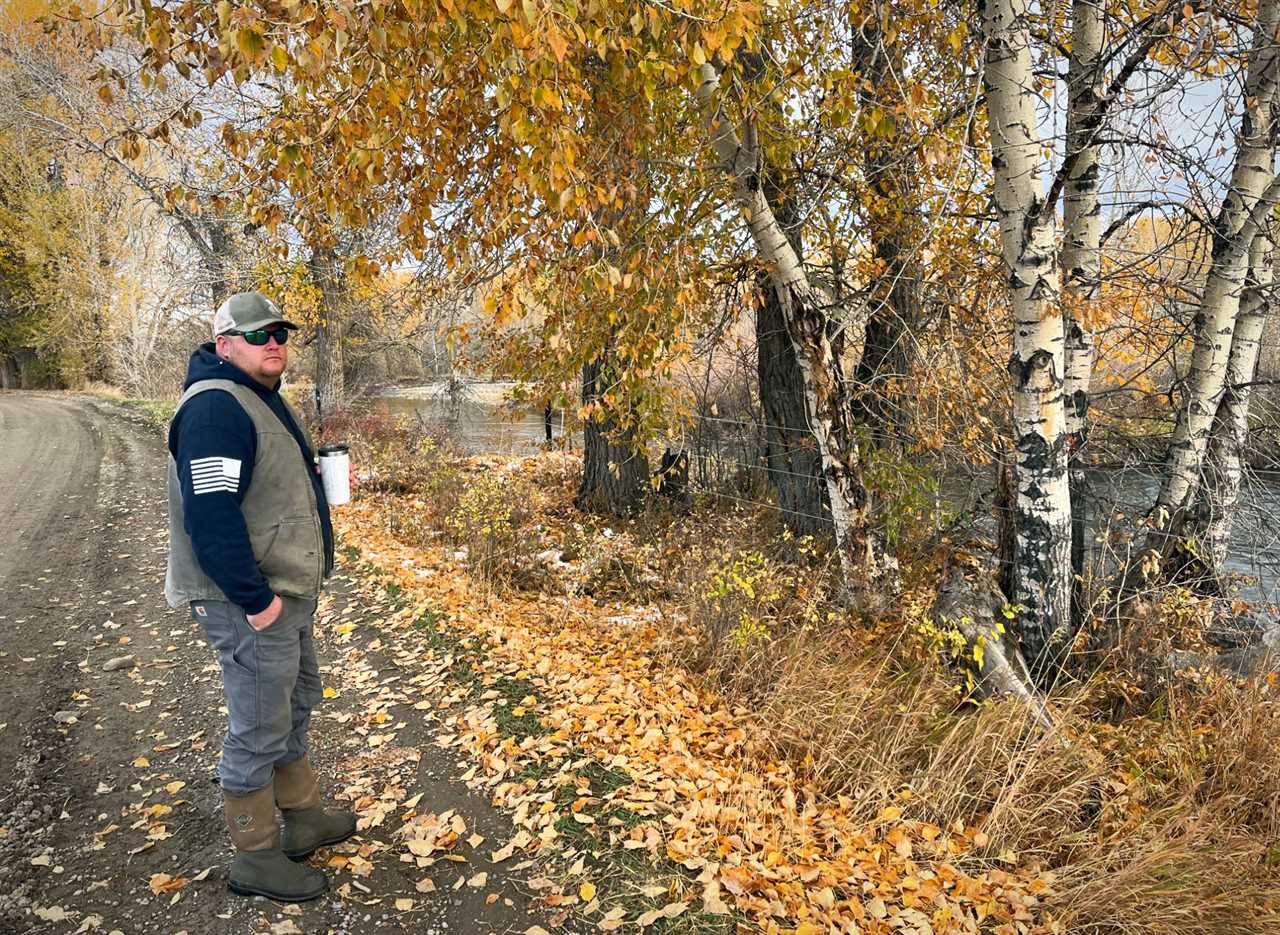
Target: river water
[[482, 421]]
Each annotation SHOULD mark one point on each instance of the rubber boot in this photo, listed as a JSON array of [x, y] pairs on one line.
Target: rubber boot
[[307, 824], [260, 868]]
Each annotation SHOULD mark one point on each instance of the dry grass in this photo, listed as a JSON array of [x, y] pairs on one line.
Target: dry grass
[[1154, 805]]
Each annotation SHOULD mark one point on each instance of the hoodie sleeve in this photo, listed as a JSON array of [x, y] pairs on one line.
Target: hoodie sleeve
[[214, 445]]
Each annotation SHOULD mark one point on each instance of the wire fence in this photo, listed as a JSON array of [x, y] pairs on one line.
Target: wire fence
[[728, 464]]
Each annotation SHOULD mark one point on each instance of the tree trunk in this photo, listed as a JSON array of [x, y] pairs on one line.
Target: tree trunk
[[213, 251], [893, 209], [968, 601], [1220, 495], [327, 275], [615, 471], [794, 464], [791, 452], [869, 570], [1041, 573], [1082, 272], [885, 366], [1252, 194]]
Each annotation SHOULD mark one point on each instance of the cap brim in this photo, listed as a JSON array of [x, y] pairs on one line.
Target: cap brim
[[263, 323]]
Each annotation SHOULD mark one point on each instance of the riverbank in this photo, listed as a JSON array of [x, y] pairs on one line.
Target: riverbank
[[767, 755]]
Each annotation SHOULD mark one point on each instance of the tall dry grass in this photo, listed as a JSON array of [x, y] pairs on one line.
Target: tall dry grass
[[1155, 805]]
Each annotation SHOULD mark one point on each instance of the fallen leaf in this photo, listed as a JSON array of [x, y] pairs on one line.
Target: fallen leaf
[[587, 892], [163, 883], [404, 905], [479, 880]]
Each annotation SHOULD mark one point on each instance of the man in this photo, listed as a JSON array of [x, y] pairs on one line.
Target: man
[[249, 544]]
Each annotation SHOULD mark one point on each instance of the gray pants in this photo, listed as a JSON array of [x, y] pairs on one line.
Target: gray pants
[[271, 681]]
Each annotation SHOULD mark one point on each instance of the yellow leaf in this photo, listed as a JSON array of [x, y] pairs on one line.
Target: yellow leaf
[[557, 43], [587, 891], [251, 44], [330, 692], [141, 762]]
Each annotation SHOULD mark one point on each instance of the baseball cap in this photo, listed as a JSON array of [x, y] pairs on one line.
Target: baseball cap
[[247, 311]]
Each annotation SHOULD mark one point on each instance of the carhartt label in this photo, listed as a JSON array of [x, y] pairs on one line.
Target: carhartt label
[[200, 611]]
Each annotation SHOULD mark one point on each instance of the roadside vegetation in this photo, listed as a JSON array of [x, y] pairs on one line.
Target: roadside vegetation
[[756, 727]]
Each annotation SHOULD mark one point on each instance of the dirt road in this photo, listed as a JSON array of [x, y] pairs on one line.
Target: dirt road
[[109, 818]]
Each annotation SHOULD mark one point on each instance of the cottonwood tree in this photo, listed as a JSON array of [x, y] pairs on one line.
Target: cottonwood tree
[[865, 559], [102, 108]]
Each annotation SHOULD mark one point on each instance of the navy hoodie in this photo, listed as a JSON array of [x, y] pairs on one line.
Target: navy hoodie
[[214, 425]]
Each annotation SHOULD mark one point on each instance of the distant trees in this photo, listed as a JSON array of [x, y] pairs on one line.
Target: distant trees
[[943, 230]]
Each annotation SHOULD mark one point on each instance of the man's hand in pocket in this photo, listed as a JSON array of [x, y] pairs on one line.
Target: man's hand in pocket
[[260, 621]]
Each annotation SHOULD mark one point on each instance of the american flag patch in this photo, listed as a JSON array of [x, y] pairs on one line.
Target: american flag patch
[[210, 475]]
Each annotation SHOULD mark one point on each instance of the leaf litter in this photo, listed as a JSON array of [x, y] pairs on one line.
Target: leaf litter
[[690, 787]]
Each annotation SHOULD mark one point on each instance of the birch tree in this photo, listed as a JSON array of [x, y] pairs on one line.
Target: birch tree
[[1251, 195], [1219, 497], [1081, 269], [1040, 576]]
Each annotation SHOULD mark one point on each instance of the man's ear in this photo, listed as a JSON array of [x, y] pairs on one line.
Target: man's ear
[[221, 346]]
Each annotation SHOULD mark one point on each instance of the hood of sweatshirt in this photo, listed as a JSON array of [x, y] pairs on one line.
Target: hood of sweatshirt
[[205, 364]]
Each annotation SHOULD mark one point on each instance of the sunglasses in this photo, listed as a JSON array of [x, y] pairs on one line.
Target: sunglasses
[[260, 336]]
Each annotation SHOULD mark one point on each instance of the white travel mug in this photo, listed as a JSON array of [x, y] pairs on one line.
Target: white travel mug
[[335, 474]]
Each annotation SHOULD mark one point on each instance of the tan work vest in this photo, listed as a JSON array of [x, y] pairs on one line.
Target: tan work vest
[[279, 510]]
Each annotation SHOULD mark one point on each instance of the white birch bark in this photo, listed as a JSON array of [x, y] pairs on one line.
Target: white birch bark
[[1082, 272], [1041, 574], [868, 566], [972, 604], [1236, 226], [1225, 469]]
